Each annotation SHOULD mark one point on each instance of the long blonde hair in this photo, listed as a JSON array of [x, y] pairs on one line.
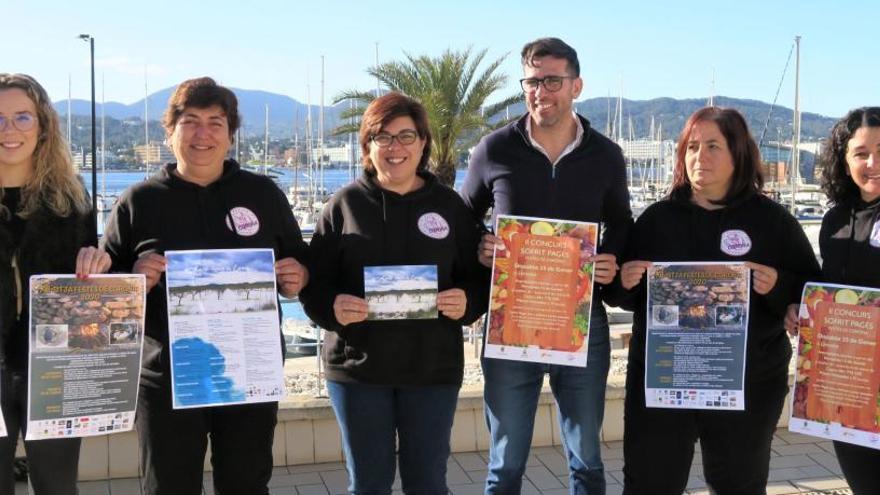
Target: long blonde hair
[[54, 182]]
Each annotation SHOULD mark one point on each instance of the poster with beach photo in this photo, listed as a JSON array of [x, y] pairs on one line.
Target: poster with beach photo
[[837, 374], [86, 340], [401, 292], [223, 327], [697, 326], [542, 291]]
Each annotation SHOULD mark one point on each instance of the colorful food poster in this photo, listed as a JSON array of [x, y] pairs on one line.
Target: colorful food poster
[[542, 291], [401, 292], [697, 325], [837, 378], [223, 327], [86, 338]]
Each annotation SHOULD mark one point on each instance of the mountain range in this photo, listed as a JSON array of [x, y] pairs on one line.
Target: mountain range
[[285, 113]]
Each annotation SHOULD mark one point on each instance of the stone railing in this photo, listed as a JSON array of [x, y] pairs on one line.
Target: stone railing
[[307, 432]]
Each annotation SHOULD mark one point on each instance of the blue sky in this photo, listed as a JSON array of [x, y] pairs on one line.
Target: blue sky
[[655, 48], [226, 267], [385, 278]]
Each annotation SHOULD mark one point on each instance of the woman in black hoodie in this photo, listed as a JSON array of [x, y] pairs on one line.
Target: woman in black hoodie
[[849, 243], [395, 378], [715, 212]]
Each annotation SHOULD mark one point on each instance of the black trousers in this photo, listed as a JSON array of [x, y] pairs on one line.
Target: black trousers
[[658, 444], [53, 464], [861, 467], [173, 445]]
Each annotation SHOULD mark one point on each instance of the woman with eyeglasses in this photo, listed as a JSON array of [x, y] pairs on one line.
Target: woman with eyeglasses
[[45, 227], [849, 244], [395, 378]]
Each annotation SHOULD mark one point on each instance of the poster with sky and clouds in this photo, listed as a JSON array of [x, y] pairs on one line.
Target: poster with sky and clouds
[[223, 327]]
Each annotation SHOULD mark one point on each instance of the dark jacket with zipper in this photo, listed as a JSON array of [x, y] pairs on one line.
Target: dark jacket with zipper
[[674, 230], [508, 174], [48, 244], [849, 255], [168, 213], [365, 225]]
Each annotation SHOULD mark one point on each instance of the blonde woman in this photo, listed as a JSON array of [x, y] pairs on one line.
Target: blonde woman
[[45, 227]]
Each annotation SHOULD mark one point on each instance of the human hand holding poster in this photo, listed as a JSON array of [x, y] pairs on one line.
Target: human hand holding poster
[[697, 325], [86, 339], [223, 327], [542, 288], [837, 377]]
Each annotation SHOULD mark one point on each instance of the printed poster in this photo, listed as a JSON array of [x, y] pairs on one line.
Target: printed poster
[[86, 339], [223, 327], [697, 325], [542, 291], [401, 292], [837, 374]]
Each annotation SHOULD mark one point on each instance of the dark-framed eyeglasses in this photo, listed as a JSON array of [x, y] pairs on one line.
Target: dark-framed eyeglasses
[[23, 121], [550, 83], [405, 137]]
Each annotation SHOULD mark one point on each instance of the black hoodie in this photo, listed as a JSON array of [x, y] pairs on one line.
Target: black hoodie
[[849, 255], [365, 225], [672, 230], [509, 175], [168, 213]]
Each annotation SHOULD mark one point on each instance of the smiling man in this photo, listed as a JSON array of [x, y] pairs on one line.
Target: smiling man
[[550, 164]]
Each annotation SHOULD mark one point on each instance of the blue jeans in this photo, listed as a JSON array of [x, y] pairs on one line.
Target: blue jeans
[[511, 394], [369, 417]]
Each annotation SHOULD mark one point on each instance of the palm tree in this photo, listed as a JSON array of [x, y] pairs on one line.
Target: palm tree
[[453, 94]]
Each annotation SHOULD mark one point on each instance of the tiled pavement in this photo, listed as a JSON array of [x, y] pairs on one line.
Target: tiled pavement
[[800, 464]]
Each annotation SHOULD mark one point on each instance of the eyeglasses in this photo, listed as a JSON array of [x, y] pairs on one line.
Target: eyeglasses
[[24, 121], [550, 83], [405, 137]]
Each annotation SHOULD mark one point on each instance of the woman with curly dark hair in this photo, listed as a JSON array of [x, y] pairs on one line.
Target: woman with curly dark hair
[[849, 242]]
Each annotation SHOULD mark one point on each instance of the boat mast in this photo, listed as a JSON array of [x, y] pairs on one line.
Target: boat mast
[[321, 130], [69, 122], [103, 148], [266, 144], [309, 149], [146, 126], [796, 138], [295, 155]]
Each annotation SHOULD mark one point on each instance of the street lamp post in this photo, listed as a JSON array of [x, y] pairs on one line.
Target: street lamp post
[[91, 40]]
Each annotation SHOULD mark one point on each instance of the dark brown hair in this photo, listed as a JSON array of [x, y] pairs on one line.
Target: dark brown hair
[[383, 110], [201, 92], [551, 47], [747, 178], [836, 181]]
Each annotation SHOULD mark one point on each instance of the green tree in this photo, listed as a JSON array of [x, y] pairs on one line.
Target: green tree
[[454, 93]]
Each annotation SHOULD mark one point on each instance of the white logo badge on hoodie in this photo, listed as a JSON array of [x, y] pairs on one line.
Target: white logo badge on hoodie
[[433, 225], [735, 242], [246, 222]]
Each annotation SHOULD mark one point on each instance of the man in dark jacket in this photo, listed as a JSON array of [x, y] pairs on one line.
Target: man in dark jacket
[[550, 164]]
